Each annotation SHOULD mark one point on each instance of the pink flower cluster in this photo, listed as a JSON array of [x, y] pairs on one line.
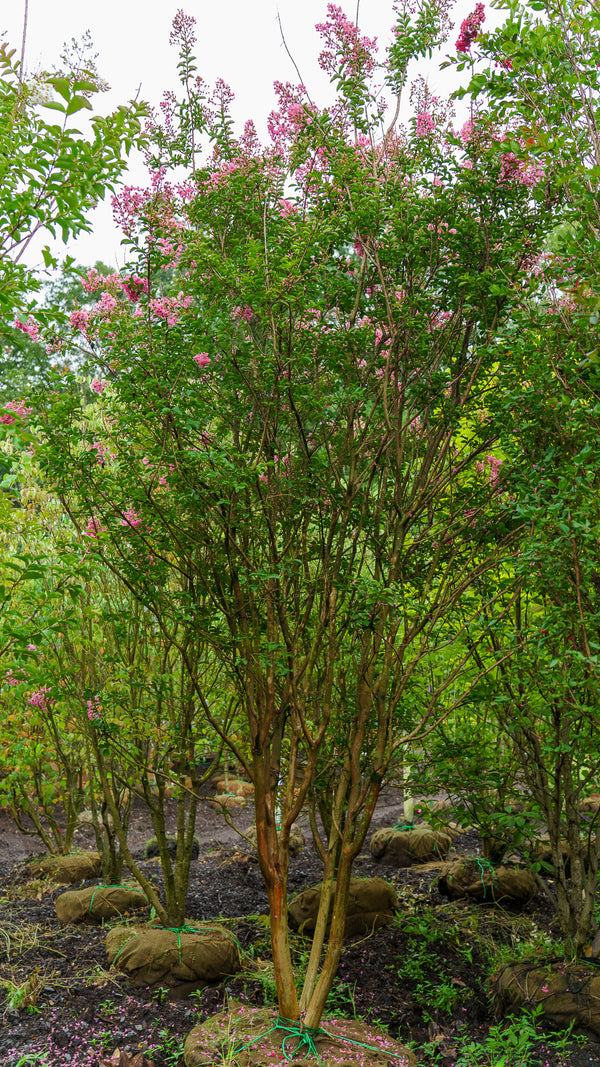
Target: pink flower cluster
[[92, 529], [425, 124], [98, 385], [106, 306], [134, 286], [20, 409], [39, 699], [345, 50], [131, 518], [94, 709], [513, 169], [80, 320], [470, 27], [202, 359], [493, 466], [31, 327], [285, 123], [183, 34], [170, 307]]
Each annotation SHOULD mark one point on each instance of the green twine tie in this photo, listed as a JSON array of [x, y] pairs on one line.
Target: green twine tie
[[306, 1034], [485, 865], [132, 889], [188, 928]]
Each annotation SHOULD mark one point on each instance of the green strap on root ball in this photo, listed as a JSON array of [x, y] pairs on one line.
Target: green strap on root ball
[[307, 1035], [131, 888], [485, 865]]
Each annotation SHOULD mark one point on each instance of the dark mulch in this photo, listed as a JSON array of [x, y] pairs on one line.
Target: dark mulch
[[424, 978]]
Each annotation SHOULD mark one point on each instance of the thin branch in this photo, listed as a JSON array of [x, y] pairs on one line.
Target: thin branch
[[23, 40]]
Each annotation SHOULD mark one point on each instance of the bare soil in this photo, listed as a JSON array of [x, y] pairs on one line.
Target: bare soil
[[425, 978]]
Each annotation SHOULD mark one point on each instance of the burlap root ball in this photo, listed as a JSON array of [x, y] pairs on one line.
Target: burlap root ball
[[565, 991], [234, 787], [372, 903], [476, 880], [296, 840], [405, 847], [151, 847], [97, 903], [153, 956], [590, 804], [253, 1035], [542, 852], [69, 869]]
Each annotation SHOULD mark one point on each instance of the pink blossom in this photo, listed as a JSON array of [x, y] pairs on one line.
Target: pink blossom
[[513, 169], [20, 409], [80, 320], [134, 286], [170, 307], [92, 281], [107, 305], [345, 50], [98, 385], [470, 27], [202, 359], [32, 648], [287, 121], [10, 678], [95, 709], [31, 327], [466, 132], [243, 314], [182, 31], [425, 124], [92, 529], [129, 206], [493, 466], [286, 208], [39, 699], [131, 518]]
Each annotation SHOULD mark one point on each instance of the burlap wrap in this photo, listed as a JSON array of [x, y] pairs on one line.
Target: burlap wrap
[[69, 869], [255, 1028], [152, 956], [296, 839], [235, 787], [372, 903], [476, 880], [97, 903], [403, 848], [565, 991]]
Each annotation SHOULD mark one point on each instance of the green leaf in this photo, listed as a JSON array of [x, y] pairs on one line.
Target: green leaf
[[77, 104]]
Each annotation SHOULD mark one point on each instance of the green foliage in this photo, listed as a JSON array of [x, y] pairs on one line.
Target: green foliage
[[51, 175]]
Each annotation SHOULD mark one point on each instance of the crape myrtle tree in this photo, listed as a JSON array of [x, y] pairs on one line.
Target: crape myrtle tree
[[76, 632], [545, 86], [292, 382], [546, 687]]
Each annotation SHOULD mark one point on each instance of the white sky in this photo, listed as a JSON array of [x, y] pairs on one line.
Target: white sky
[[238, 40]]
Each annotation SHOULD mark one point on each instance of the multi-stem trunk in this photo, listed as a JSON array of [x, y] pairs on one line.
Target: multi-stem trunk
[[273, 857]]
